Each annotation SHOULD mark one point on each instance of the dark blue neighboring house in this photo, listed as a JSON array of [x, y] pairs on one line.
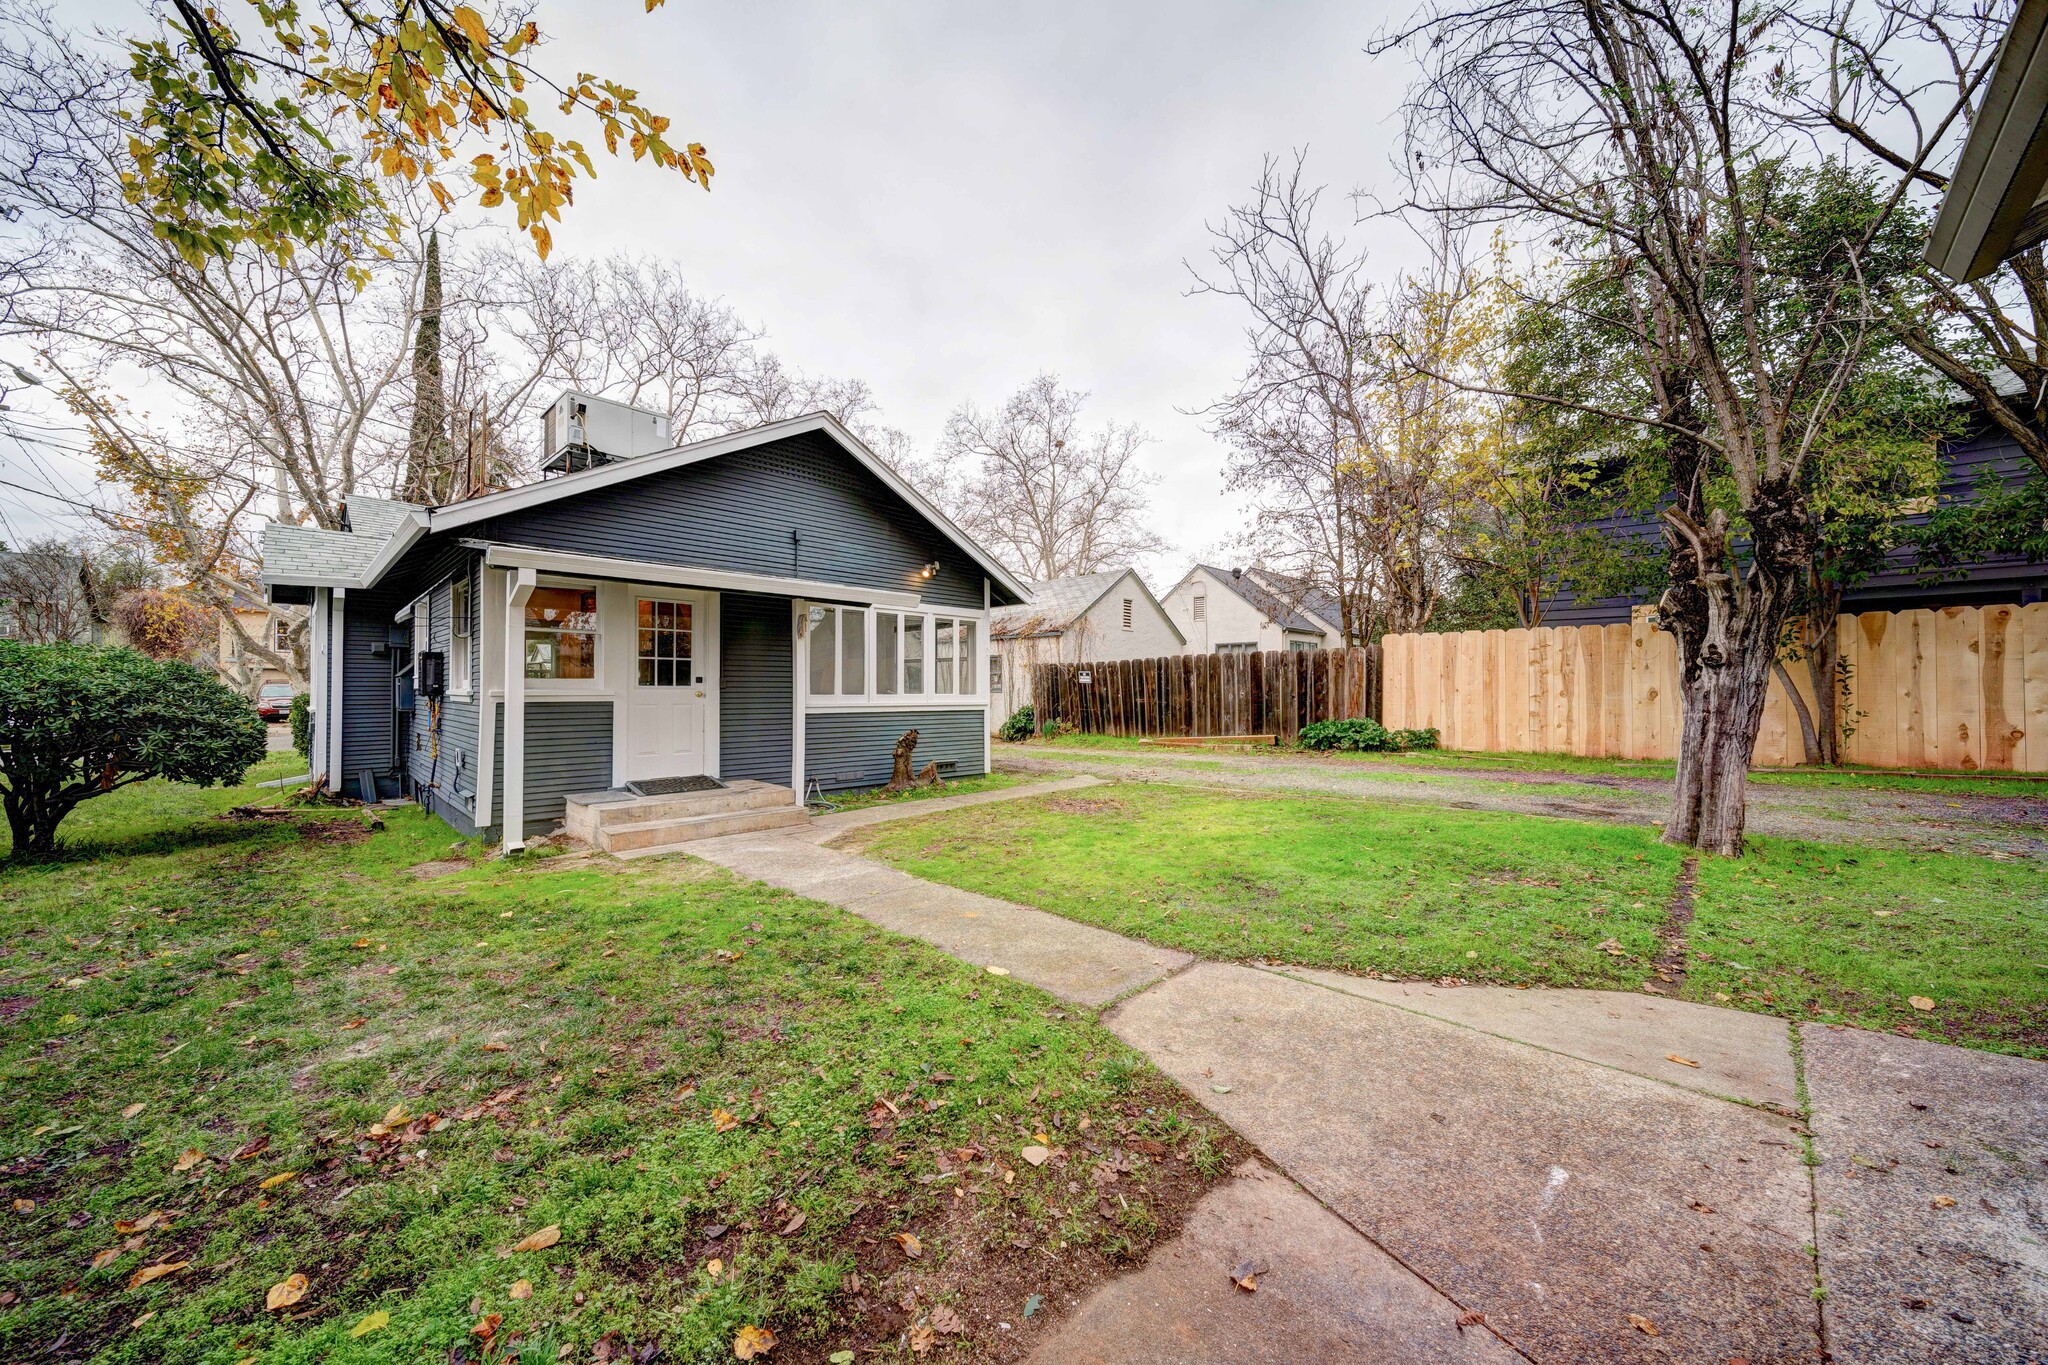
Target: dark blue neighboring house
[[750, 613], [1966, 461]]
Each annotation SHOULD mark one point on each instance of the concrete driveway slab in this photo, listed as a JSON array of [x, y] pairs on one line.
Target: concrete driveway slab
[[1933, 1199], [1557, 1197], [1325, 1294], [1742, 1055]]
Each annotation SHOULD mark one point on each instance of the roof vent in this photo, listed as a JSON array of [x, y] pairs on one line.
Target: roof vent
[[584, 431]]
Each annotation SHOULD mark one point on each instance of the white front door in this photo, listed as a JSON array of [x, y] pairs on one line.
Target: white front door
[[667, 687]]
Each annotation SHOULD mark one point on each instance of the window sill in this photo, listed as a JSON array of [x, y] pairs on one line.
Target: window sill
[[913, 702]]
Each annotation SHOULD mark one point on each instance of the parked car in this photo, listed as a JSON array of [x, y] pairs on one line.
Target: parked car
[[274, 701]]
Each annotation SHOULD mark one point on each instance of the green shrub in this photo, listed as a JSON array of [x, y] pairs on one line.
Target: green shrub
[[1364, 737], [79, 721], [1018, 727], [302, 725], [1055, 728]]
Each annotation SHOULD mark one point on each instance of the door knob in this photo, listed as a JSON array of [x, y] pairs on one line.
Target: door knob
[[700, 691]]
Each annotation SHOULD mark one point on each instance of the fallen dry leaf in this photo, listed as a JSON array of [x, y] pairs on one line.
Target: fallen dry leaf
[[155, 1272], [753, 1341], [254, 1147], [153, 1218], [130, 1111], [371, 1322], [1941, 1201], [522, 1289], [24, 1206], [796, 1221], [540, 1241], [923, 1339], [1643, 1325], [497, 1047], [274, 1181], [1468, 1318], [911, 1246], [487, 1327], [353, 1024], [944, 1319], [1920, 1002], [1037, 1156], [285, 1293], [1246, 1276], [104, 1258], [1682, 1061], [714, 1267], [723, 1122], [187, 1159], [999, 971]]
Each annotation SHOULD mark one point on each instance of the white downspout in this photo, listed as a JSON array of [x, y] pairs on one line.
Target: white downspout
[[513, 817]]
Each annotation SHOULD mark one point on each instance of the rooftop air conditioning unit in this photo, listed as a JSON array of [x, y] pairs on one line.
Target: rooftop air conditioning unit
[[584, 431]]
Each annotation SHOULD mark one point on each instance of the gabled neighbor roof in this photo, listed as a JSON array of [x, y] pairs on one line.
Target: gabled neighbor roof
[[383, 529], [1057, 603], [1282, 606]]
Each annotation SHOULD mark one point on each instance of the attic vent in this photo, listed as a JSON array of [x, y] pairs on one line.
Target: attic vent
[[1127, 613], [1201, 607], [583, 431]]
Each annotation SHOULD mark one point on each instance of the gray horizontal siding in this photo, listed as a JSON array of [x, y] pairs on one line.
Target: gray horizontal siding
[[568, 749], [844, 749], [796, 508], [755, 704], [449, 767]]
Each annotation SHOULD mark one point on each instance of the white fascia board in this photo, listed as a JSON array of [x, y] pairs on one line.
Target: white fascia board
[[2004, 160], [501, 556], [473, 510]]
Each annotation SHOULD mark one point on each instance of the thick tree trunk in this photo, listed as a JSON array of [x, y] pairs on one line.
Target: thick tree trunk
[[1728, 619]]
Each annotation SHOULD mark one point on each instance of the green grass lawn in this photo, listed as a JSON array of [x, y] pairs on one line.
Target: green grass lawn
[[1851, 933], [962, 786], [1838, 933], [1325, 881], [233, 1051]]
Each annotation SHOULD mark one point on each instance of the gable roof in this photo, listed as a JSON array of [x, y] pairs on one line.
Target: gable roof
[[383, 529], [1312, 600], [1057, 603], [1281, 607]]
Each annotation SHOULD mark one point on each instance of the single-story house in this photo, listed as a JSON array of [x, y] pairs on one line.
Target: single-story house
[[1090, 618], [1248, 611], [771, 608]]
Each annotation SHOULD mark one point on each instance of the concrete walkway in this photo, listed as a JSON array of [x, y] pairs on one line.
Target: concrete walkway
[[1480, 1174]]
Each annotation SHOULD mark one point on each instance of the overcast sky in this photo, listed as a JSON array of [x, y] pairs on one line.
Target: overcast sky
[[945, 199]]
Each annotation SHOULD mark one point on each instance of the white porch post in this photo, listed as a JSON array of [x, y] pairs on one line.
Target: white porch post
[[799, 654], [519, 587], [337, 669]]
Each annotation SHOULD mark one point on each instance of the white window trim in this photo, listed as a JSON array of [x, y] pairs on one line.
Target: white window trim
[[461, 628], [592, 687], [872, 700]]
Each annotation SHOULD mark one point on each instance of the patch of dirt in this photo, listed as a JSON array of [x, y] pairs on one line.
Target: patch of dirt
[[335, 832], [1670, 966], [1085, 805], [978, 1270], [439, 867]]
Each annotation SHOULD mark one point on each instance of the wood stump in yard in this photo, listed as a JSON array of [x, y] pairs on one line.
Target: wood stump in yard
[[900, 779]]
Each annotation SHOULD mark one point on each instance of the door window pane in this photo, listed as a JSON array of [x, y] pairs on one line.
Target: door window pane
[[824, 652], [664, 643], [853, 653], [913, 655], [942, 656], [967, 657], [888, 627]]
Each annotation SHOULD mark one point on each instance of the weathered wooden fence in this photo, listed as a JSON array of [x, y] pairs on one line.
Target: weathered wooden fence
[[1273, 693], [1959, 687]]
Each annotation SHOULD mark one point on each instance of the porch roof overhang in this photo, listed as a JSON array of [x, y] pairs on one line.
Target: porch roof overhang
[[501, 555], [1996, 202]]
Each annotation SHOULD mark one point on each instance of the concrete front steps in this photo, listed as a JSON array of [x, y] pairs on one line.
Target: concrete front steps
[[620, 823]]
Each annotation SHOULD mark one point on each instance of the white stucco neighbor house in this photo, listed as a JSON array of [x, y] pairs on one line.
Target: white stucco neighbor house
[[1245, 611], [1097, 616]]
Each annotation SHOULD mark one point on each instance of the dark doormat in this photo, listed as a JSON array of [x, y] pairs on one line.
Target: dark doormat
[[673, 786]]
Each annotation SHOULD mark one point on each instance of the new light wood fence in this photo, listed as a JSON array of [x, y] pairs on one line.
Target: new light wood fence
[[1273, 693], [1960, 687]]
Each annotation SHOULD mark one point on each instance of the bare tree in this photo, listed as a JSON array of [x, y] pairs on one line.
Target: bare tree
[[1634, 139], [1048, 498], [45, 597]]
